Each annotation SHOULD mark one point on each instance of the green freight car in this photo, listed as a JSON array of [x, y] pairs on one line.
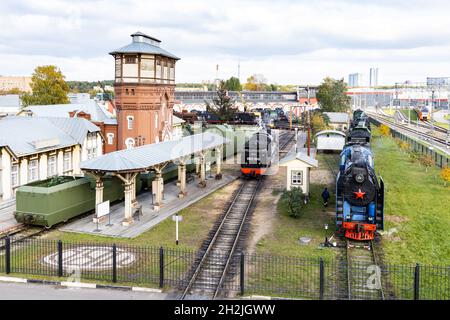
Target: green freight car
[[48, 202]]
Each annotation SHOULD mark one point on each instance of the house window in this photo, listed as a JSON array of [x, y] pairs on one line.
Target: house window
[[130, 122], [14, 175], [52, 166], [110, 137], [33, 170], [156, 120], [67, 161], [296, 177], [129, 143], [91, 145]]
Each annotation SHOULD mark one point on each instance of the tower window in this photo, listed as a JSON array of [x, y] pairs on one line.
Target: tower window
[[132, 92], [130, 59], [110, 138], [129, 143], [130, 122]]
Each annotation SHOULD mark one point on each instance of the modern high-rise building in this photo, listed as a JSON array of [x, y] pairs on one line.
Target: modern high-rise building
[[373, 77], [355, 79]]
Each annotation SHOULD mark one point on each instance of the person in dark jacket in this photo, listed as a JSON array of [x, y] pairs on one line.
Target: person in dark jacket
[[325, 197]]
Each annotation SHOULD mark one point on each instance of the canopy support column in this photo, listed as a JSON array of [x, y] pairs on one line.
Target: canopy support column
[[202, 182], [129, 181], [158, 185], [219, 163], [182, 179], [98, 193]]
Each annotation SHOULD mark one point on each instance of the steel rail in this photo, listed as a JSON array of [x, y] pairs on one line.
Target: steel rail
[[211, 244]]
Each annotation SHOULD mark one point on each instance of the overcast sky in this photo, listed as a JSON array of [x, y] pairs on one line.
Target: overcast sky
[[298, 42]]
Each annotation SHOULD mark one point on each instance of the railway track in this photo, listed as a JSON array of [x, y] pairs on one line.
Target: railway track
[[363, 271], [427, 137], [212, 270]]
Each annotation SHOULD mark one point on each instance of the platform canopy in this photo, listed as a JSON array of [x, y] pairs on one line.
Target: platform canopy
[[146, 157]]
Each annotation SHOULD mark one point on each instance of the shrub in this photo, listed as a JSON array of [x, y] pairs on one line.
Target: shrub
[[384, 130], [294, 199]]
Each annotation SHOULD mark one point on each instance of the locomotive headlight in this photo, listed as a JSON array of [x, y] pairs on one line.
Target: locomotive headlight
[[359, 178]]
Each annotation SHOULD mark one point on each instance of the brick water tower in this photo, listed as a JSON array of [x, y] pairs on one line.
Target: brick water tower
[[144, 92]]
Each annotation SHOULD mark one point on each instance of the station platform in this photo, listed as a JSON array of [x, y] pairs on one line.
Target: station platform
[[7, 221], [150, 217]]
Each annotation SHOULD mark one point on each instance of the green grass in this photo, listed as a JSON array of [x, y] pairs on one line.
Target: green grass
[[411, 114], [417, 207]]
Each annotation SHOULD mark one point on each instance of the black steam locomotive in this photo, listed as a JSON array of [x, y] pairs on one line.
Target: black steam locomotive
[[359, 193]]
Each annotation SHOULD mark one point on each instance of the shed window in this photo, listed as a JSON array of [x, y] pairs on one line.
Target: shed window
[[296, 177]]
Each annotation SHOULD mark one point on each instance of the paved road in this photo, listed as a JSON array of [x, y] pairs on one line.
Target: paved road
[[28, 291]]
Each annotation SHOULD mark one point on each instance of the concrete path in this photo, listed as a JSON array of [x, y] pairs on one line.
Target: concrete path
[[29, 291], [150, 218]]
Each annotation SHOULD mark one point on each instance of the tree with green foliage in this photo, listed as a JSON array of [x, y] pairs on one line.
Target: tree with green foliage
[[331, 95], [233, 84], [48, 87], [223, 106], [318, 122], [294, 200]]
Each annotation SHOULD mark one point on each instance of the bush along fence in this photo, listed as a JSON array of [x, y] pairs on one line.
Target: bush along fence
[[251, 274], [439, 159]]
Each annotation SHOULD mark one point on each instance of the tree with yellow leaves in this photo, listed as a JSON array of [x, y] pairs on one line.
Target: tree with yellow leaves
[[445, 174]]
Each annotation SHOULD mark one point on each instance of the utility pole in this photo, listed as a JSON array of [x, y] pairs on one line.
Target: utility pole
[[309, 132]]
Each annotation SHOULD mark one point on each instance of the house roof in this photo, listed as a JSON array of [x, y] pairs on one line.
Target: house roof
[[30, 135], [330, 132], [177, 120], [301, 157], [97, 112], [145, 157], [337, 117]]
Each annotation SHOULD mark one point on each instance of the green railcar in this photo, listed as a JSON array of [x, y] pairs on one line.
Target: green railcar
[[48, 202]]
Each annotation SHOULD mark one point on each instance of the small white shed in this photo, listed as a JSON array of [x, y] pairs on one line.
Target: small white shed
[[330, 140], [298, 166]]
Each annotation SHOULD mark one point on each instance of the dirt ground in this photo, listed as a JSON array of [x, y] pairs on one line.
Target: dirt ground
[[265, 211]]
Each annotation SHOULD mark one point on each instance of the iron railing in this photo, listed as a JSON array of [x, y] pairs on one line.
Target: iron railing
[[249, 274]]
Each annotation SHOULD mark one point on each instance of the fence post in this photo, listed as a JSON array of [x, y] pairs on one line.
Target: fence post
[[417, 282], [242, 274], [161, 267], [60, 259], [322, 278], [114, 263], [7, 255]]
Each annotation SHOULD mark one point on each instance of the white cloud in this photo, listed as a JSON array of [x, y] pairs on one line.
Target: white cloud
[[287, 41]]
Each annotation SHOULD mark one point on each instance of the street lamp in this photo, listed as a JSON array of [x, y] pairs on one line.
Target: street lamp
[[326, 238]]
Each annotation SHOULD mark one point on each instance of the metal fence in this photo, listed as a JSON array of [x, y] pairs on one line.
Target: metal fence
[[255, 274]]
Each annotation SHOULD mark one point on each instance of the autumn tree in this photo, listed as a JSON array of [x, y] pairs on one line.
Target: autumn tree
[[256, 82], [222, 106], [48, 87], [445, 174], [332, 96], [427, 161], [318, 122]]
